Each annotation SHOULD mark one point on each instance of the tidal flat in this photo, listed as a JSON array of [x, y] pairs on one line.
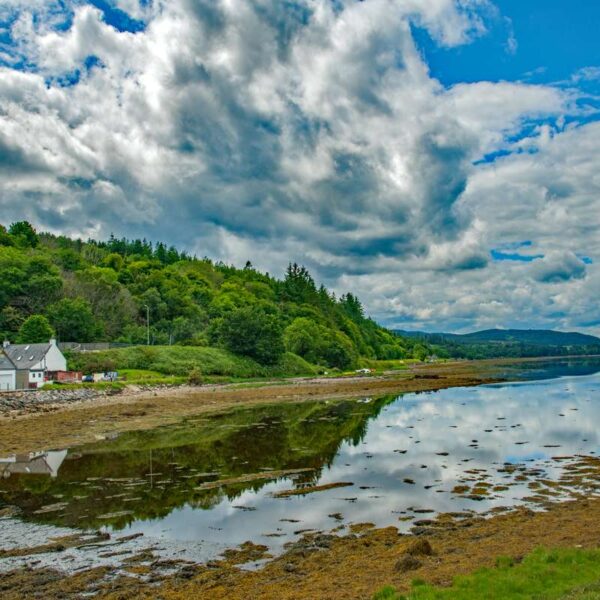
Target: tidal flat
[[267, 487]]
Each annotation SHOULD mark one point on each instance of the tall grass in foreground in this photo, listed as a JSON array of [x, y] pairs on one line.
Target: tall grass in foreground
[[564, 574]]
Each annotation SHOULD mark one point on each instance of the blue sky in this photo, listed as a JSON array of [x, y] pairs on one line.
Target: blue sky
[[552, 40], [439, 158]]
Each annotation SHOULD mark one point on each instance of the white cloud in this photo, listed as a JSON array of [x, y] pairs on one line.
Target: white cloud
[[309, 131]]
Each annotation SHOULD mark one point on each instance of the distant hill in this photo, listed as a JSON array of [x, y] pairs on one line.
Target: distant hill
[[493, 343]]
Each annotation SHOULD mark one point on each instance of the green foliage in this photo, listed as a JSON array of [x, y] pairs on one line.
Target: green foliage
[[99, 291], [195, 377], [5, 238], [36, 329], [551, 575], [180, 360], [72, 319], [253, 331], [24, 234]]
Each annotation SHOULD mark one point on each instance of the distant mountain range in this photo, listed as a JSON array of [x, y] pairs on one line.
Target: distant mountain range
[[493, 343]]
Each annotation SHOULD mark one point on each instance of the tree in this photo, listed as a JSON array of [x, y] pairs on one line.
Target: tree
[[70, 260], [73, 320], [298, 285], [304, 338], [254, 332], [25, 234], [36, 329], [111, 302], [10, 320], [420, 352], [5, 239], [352, 305], [338, 351]]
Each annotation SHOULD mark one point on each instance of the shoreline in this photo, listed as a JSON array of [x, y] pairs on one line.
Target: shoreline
[[319, 565], [56, 425], [44, 426]]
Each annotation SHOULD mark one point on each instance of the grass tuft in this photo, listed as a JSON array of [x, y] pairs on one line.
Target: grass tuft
[[565, 574]]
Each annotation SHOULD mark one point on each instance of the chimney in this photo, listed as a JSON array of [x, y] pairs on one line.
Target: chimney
[[5, 344], [52, 341]]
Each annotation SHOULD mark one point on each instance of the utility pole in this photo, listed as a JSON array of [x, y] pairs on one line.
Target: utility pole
[[147, 324]]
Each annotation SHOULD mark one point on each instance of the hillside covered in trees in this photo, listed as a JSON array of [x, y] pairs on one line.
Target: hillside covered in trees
[[85, 291], [510, 343]]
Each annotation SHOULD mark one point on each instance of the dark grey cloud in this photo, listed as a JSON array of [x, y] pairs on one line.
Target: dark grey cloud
[[558, 267], [302, 130]]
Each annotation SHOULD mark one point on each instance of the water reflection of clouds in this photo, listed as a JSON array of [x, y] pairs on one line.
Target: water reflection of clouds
[[493, 425], [411, 455]]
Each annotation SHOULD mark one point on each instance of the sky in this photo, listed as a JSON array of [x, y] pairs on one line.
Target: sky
[[438, 158]]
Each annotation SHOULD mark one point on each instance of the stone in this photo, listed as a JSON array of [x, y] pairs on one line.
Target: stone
[[420, 548], [407, 563]]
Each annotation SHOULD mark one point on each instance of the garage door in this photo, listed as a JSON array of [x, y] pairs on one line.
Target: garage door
[[6, 381]]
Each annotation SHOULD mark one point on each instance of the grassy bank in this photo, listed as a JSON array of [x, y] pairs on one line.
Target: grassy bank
[[563, 574], [173, 364]]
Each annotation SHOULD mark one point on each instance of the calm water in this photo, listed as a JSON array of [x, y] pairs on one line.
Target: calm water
[[406, 458]]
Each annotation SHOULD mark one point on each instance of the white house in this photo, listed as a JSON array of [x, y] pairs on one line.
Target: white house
[[31, 363], [8, 374]]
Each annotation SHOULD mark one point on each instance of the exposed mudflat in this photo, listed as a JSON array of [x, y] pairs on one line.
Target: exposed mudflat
[[326, 566], [335, 498]]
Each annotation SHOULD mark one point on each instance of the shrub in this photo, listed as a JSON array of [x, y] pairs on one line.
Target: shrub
[[195, 377]]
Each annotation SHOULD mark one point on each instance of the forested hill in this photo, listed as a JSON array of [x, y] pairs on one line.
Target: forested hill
[[493, 343], [87, 291]]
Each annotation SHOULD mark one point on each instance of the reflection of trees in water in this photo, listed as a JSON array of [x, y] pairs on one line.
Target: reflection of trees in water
[[145, 475]]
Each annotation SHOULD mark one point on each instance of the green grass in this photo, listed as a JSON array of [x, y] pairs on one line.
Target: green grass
[[151, 362], [566, 574], [100, 385], [147, 377], [387, 365]]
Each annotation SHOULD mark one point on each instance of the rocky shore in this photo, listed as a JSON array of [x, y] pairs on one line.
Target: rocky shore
[[38, 400], [23, 402]]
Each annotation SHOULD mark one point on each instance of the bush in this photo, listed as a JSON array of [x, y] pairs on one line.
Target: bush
[[195, 377]]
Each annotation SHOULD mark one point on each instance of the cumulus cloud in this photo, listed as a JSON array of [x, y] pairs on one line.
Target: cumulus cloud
[[557, 267], [306, 130]]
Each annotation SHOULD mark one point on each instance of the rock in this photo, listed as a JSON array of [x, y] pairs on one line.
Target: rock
[[290, 568], [407, 563], [10, 511], [323, 540], [187, 572], [420, 530], [420, 548]]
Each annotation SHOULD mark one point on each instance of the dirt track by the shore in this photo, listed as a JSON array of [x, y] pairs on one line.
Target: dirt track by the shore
[[68, 425]]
